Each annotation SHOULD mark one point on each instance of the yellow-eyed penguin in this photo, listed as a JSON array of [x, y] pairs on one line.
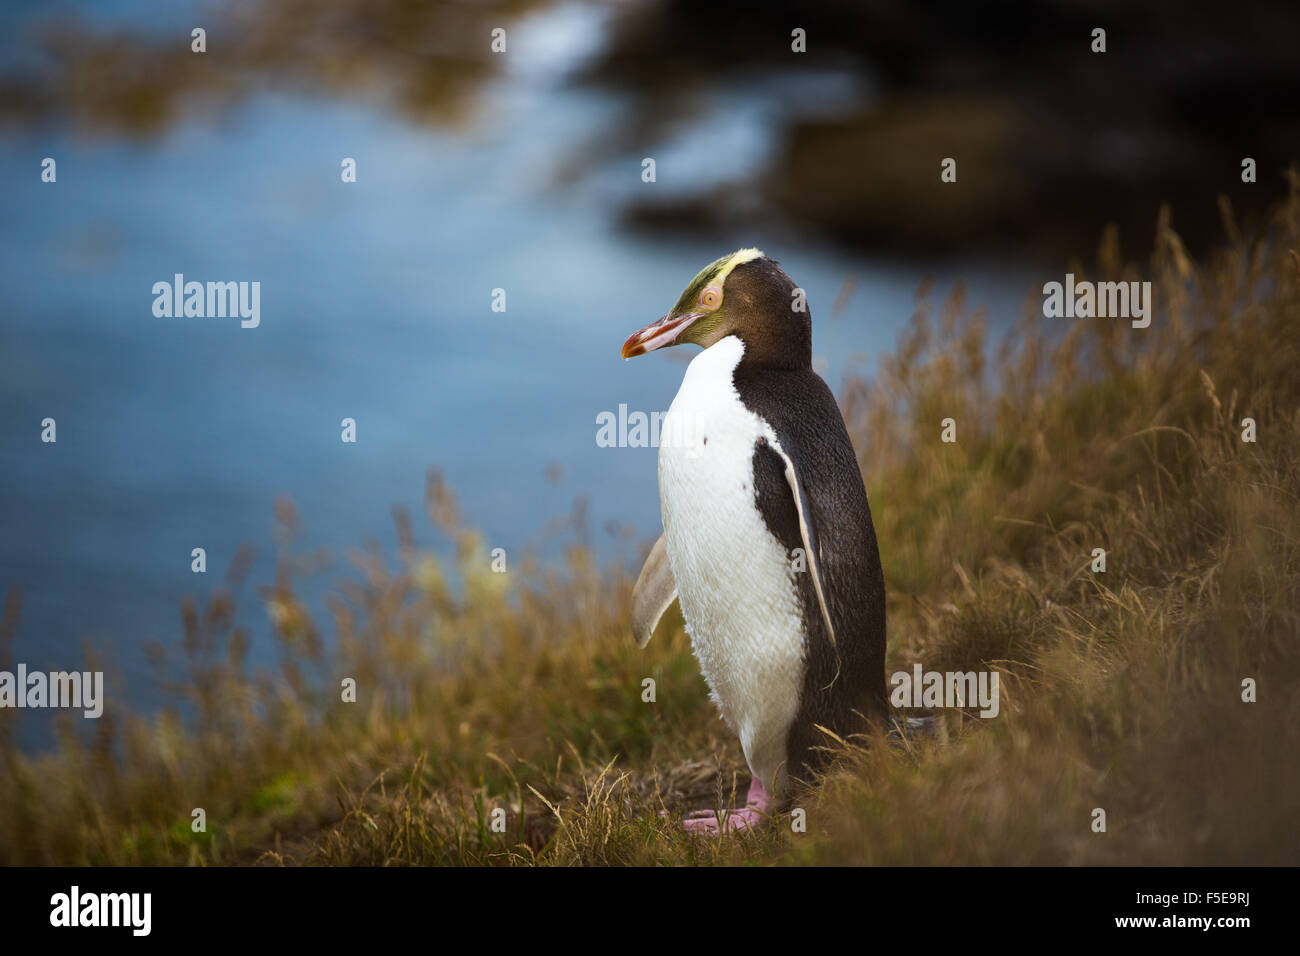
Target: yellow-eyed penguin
[[768, 543]]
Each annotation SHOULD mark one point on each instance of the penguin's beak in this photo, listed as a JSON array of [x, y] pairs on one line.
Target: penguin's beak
[[667, 331]]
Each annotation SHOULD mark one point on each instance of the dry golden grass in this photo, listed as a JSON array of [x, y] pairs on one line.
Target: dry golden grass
[[522, 692]]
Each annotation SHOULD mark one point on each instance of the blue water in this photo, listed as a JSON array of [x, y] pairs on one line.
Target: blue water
[[176, 433]]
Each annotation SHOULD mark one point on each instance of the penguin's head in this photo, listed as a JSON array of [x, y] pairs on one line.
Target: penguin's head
[[745, 294]]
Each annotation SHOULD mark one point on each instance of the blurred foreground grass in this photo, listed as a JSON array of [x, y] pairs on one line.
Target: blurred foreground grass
[[522, 692]]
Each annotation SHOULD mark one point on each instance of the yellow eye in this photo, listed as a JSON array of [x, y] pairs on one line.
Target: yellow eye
[[710, 297]]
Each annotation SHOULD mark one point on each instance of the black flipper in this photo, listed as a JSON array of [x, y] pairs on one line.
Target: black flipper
[[808, 487]]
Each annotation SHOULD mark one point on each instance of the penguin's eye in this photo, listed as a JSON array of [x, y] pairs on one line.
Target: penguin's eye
[[710, 297]]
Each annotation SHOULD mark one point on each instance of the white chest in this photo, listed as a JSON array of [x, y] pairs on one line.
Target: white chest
[[734, 580]]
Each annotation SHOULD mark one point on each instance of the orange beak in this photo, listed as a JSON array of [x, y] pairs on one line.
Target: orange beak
[[659, 334]]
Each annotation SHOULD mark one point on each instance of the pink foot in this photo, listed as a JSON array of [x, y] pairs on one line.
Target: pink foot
[[755, 812]]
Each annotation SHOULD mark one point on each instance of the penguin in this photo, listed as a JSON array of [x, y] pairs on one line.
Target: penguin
[[768, 544]]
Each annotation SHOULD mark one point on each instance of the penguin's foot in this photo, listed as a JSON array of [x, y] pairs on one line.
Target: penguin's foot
[[746, 818], [758, 805]]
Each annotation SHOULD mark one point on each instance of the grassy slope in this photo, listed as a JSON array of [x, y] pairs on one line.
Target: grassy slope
[[523, 691]]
